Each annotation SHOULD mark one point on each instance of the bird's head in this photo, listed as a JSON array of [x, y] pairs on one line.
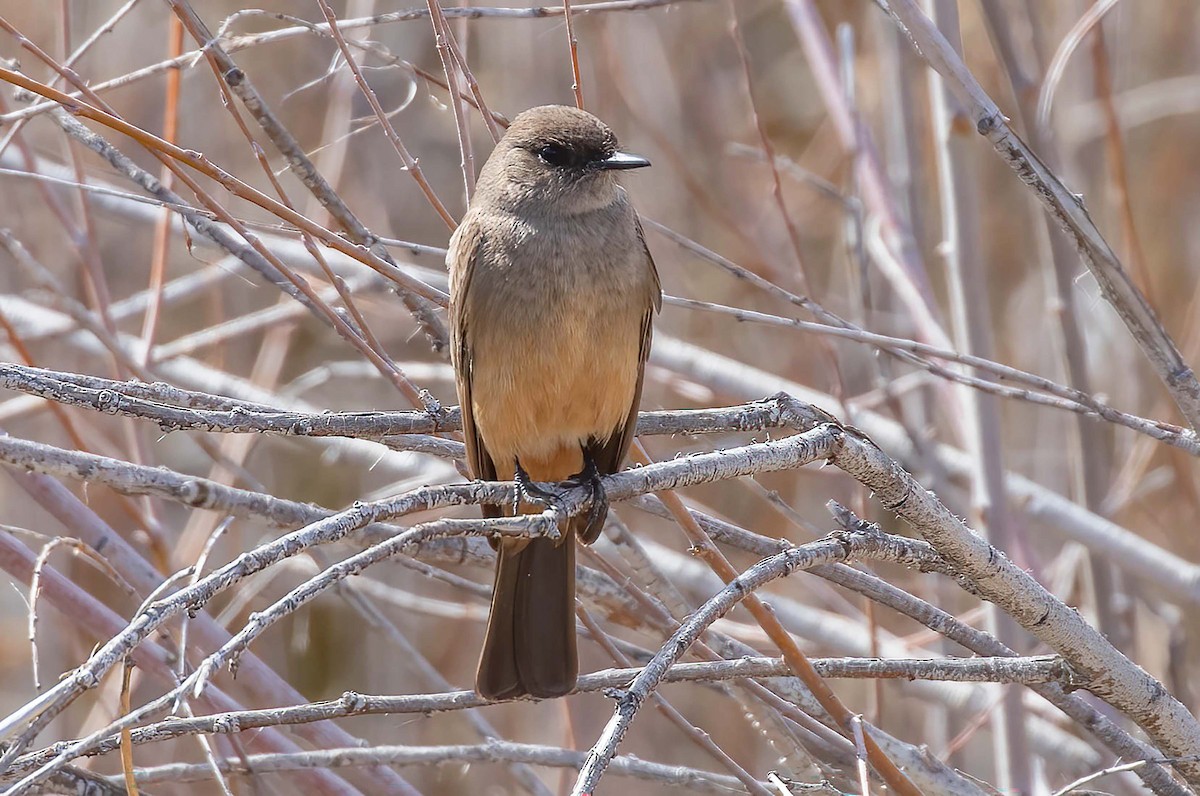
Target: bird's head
[[557, 158]]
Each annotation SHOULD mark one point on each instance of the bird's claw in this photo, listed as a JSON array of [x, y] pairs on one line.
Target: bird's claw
[[529, 492], [598, 508]]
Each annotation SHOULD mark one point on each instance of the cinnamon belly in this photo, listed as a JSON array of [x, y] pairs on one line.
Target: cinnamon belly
[[540, 399]]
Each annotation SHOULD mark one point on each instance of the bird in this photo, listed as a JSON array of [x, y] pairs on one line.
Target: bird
[[553, 293]]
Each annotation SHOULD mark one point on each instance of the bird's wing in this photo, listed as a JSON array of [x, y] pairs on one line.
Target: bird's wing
[[610, 453], [464, 249]]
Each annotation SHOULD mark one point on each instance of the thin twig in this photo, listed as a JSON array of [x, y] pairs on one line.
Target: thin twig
[[1066, 207]]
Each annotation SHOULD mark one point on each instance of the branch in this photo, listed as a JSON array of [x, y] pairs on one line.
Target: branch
[[784, 454], [1112, 676], [838, 547], [1038, 669], [175, 409], [95, 620], [169, 153], [1067, 208], [691, 779]]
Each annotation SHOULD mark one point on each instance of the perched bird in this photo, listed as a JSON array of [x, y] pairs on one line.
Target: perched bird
[[552, 293]]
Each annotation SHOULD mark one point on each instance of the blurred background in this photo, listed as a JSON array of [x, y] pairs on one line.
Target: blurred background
[[849, 213]]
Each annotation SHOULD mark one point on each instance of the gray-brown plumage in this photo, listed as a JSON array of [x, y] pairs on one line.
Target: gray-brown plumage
[[552, 295]]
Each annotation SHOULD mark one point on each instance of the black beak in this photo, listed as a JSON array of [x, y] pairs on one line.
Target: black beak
[[622, 160]]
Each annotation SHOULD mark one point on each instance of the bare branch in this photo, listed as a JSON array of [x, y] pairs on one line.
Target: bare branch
[[1066, 207]]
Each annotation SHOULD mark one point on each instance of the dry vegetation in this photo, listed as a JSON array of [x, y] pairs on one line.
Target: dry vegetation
[[827, 223]]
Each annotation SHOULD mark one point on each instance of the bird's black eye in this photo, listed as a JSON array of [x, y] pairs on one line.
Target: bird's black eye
[[555, 155]]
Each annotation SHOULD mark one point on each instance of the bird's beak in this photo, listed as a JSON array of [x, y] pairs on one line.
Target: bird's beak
[[622, 160]]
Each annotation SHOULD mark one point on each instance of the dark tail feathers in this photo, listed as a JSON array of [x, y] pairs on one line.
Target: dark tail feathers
[[530, 643]]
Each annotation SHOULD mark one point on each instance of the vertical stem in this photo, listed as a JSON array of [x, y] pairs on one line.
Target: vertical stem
[[442, 37], [1115, 151], [573, 44], [856, 252], [972, 326], [162, 229], [1091, 470], [338, 117]]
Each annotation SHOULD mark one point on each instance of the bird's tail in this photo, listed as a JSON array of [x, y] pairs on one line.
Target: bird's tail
[[529, 647]]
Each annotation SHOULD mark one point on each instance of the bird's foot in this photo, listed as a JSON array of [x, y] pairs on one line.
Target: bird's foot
[[528, 491], [590, 477]]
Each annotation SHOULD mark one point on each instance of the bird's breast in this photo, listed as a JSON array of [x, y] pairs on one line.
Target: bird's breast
[[555, 338]]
